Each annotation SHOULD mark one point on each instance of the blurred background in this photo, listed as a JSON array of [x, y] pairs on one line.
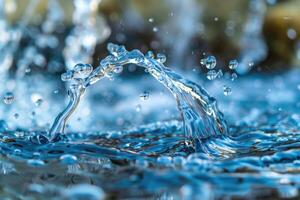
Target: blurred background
[[40, 39]]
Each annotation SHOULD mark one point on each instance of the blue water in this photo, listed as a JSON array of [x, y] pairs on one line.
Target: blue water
[[167, 159]]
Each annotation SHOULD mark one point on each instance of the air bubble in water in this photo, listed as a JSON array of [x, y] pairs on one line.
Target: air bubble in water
[[155, 29], [210, 62], [227, 90], [211, 75], [144, 96], [233, 64], [161, 58], [8, 98]]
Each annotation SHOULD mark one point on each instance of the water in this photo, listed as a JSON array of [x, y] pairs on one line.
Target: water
[[258, 155], [189, 154]]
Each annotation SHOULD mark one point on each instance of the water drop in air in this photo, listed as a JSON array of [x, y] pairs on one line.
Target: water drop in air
[[211, 75], [8, 98], [210, 62], [227, 90], [144, 96], [233, 64]]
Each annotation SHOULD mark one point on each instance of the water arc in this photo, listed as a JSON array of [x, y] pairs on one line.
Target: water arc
[[200, 114]]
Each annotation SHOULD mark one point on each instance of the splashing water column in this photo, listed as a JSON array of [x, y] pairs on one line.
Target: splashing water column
[[199, 111]]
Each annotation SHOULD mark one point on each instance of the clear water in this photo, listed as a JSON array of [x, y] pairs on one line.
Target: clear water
[[255, 156], [156, 150]]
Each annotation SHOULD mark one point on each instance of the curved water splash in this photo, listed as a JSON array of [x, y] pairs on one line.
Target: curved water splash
[[199, 111]]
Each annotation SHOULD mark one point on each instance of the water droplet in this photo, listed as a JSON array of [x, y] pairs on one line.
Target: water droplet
[[161, 58], [82, 70], [233, 64], [144, 96], [68, 159], [227, 90], [67, 76], [155, 29], [210, 62], [16, 115], [211, 75], [8, 98], [38, 102], [233, 76], [220, 73]]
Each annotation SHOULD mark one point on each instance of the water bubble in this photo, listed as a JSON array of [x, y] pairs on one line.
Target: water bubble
[[8, 98], [82, 70], [151, 20], [233, 64], [68, 159], [227, 90], [67, 76], [161, 58], [211, 75], [144, 96], [210, 62]]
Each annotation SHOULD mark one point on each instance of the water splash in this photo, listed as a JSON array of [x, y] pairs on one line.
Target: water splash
[[199, 111]]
